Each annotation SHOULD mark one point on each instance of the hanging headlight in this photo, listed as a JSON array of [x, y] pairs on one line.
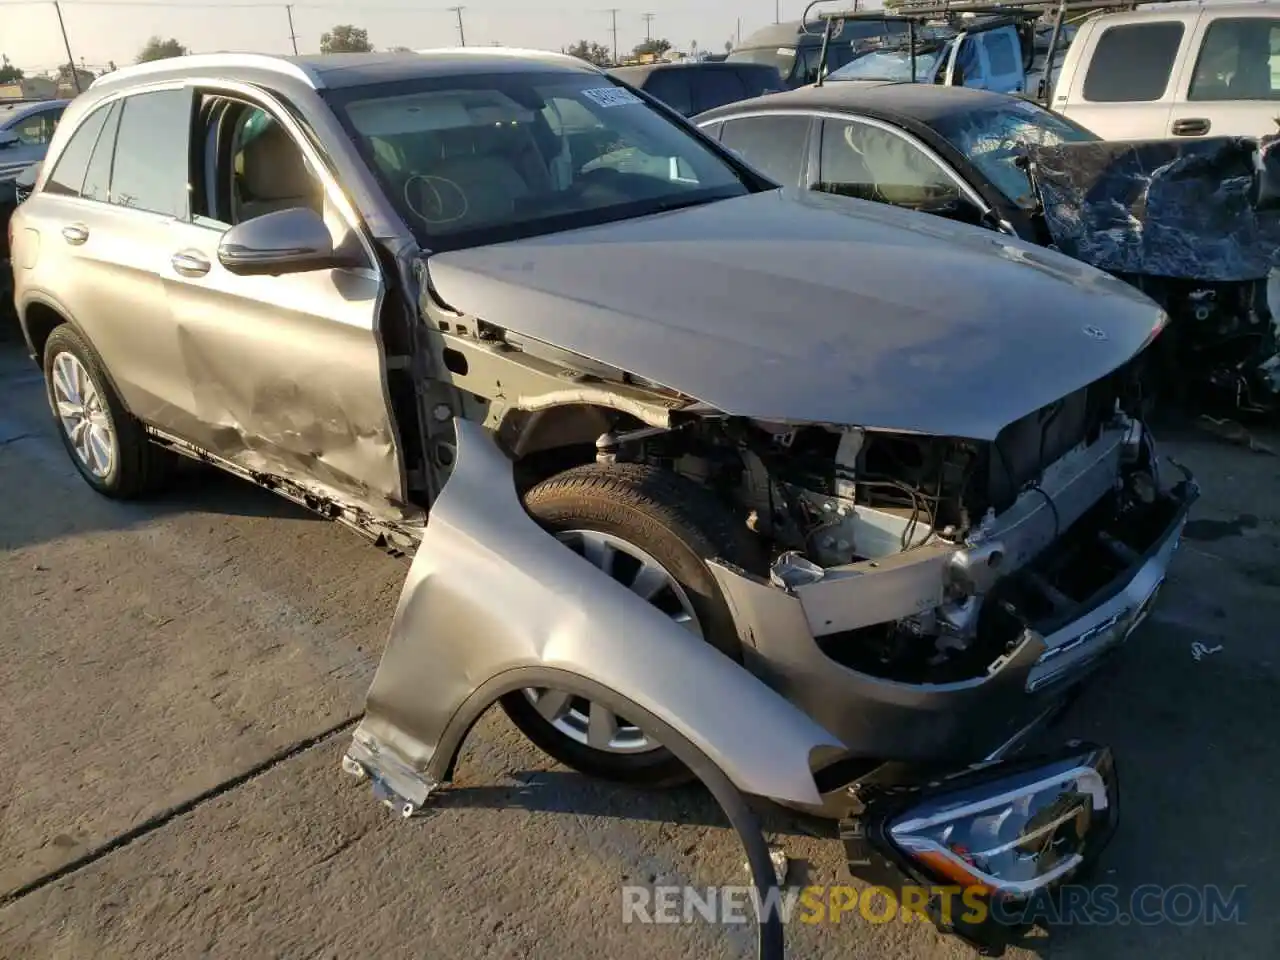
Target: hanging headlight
[[1015, 835], [1004, 831]]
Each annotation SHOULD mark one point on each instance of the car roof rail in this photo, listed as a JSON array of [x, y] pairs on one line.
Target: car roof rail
[[202, 62], [526, 53]]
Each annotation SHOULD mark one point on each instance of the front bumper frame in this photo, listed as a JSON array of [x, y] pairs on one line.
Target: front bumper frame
[[959, 722]]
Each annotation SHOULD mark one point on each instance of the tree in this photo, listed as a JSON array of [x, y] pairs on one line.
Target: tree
[[157, 49], [8, 72], [728, 46], [656, 47], [345, 38], [591, 52]]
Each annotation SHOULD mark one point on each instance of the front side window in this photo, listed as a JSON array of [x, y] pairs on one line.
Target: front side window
[[1239, 60], [993, 139], [871, 163], [483, 158], [1132, 62], [151, 170], [1001, 55], [68, 174], [774, 145]]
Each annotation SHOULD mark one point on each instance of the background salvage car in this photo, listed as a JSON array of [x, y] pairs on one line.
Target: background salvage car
[[669, 521], [1192, 224]]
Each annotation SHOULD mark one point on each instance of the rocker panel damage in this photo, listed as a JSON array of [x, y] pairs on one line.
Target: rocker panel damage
[[491, 601]]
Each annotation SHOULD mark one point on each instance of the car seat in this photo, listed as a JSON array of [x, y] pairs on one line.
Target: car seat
[[275, 177]]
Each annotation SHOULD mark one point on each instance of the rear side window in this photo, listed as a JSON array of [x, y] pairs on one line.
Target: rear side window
[[1000, 54], [68, 174], [715, 88], [151, 168], [773, 145], [97, 181], [672, 88], [1132, 63], [1239, 60]]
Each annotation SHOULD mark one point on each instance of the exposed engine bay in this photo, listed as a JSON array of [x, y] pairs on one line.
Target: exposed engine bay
[[1040, 519]]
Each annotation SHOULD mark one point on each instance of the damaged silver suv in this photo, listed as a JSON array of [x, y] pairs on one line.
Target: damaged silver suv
[[829, 494]]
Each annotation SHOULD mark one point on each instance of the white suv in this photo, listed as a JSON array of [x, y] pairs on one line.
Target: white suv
[[1175, 71]]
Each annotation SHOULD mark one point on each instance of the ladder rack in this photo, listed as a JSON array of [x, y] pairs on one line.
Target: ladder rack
[[918, 12]]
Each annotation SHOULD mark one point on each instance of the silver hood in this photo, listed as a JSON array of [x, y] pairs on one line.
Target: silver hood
[[807, 307]]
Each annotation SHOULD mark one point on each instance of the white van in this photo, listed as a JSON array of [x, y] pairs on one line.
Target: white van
[[1175, 71]]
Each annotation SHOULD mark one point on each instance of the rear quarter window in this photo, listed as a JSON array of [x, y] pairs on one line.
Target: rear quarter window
[[67, 177], [1132, 63]]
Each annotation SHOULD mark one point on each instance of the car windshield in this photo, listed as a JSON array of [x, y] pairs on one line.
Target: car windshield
[[473, 159], [887, 65], [993, 139]]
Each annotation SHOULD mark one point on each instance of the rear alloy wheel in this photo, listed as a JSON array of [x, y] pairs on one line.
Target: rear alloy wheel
[[108, 446], [652, 531]]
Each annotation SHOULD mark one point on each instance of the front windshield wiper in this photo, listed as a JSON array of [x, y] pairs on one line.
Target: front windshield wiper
[[679, 203]]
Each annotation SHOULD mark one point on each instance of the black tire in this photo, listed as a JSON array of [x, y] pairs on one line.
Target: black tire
[[679, 524], [139, 468]]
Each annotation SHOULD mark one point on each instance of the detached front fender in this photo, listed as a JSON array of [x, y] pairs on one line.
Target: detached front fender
[[493, 604]]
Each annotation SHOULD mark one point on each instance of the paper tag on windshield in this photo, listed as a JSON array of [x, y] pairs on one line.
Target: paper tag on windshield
[[611, 96]]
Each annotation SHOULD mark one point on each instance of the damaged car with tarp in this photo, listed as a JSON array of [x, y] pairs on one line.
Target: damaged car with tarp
[[699, 479], [1194, 224]]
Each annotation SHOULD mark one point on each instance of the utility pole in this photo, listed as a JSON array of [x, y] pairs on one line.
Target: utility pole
[[613, 12], [462, 37], [648, 26], [66, 44], [293, 36], [777, 11]]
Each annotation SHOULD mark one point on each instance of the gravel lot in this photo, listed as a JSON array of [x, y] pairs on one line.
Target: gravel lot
[[178, 681]]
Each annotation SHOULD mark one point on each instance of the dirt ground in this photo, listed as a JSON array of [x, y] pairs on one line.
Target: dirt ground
[[178, 681]]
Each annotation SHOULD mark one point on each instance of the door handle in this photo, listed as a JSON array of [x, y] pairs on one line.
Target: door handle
[[1191, 127], [189, 264], [75, 233]]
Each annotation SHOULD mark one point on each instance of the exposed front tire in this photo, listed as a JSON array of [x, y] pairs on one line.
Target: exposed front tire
[[108, 446], [652, 531]]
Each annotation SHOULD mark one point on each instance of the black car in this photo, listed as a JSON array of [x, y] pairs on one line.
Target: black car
[[1180, 220], [694, 87], [949, 150]]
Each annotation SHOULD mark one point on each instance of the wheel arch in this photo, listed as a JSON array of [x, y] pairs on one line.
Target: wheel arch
[[40, 316], [493, 602]]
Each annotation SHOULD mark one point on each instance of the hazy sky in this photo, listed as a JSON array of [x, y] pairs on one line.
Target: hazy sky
[[102, 30]]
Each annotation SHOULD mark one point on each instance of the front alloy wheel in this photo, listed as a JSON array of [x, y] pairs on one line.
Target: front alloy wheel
[[653, 532], [592, 724]]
